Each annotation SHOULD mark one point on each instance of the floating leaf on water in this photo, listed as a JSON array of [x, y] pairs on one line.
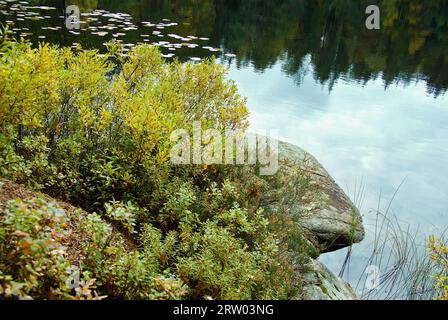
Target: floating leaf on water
[[101, 33], [42, 8]]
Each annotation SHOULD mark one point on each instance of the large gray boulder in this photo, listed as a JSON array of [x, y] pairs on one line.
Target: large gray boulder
[[321, 284], [323, 209]]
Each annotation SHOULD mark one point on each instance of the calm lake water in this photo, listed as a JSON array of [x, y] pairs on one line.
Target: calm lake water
[[370, 105]]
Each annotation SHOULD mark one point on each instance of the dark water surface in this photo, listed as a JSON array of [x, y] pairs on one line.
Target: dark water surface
[[370, 105]]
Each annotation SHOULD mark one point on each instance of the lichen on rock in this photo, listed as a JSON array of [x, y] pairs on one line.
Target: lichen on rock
[[325, 210], [321, 284]]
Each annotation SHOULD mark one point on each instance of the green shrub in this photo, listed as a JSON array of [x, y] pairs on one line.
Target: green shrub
[[219, 265], [104, 128], [33, 260], [94, 130], [124, 214], [157, 251], [124, 273]]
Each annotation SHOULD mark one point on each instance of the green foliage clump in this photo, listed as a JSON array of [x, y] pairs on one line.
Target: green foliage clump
[[125, 214], [219, 265], [33, 260], [226, 248], [124, 273], [103, 122], [439, 255], [35, 263], [5, 42]]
